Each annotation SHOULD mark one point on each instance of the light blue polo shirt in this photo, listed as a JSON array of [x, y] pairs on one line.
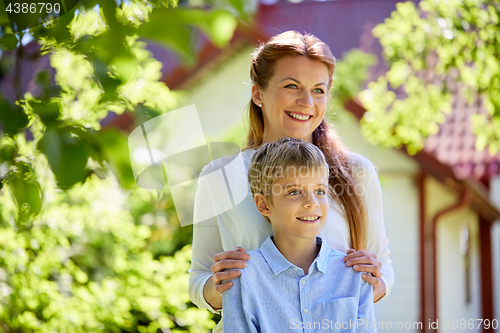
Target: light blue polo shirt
[[273, 295]]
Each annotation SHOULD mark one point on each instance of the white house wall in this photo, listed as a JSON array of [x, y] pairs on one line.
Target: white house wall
[[453, 310], [222, 94], [401, 216]]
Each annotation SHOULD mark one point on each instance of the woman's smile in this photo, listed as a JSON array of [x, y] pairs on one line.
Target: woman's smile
[[301, 117]]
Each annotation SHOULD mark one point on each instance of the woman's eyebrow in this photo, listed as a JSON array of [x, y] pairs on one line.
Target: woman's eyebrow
[[290, 78]]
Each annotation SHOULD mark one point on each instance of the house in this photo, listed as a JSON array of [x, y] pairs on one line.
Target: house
[[441, 206]]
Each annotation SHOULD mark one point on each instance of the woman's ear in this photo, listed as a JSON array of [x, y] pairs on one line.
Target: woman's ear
[[261, 204], [256, 95]]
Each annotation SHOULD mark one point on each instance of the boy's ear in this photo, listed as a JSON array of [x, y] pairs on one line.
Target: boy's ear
[[261, 204]]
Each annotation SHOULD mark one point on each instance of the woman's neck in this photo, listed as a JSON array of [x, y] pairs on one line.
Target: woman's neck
[[270, 138]]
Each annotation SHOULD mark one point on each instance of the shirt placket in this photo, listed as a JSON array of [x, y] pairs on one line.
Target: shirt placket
[[305, 304]]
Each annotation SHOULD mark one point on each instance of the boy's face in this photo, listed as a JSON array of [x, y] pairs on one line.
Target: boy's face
[[300, 205]]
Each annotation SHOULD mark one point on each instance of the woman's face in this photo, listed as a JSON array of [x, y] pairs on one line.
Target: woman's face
[[294, 102]]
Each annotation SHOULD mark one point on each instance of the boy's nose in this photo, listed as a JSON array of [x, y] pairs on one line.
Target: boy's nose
[[311, 202]]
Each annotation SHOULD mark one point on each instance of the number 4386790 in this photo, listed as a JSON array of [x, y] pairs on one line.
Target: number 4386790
[[471, 324], [33, 8]]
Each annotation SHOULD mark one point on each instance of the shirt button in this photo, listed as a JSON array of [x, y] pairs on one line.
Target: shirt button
[[303, 281], [305, 310]]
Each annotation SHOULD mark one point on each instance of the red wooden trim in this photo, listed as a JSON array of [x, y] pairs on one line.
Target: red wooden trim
[[486, 271], [423, 270]]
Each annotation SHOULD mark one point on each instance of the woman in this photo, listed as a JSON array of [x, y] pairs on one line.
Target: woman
[[292, 74]]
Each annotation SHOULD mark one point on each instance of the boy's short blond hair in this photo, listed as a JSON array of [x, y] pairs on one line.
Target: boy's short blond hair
[[283, 158]]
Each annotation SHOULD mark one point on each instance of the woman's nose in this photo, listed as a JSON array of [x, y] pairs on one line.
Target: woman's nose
[[305, 100]]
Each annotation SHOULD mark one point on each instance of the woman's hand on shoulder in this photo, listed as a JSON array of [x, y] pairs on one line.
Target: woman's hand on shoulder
[[225, 265], [365, 261]]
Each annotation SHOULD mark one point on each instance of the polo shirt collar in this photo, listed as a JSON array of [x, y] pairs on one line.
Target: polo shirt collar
[[324, 252], [278, 263]]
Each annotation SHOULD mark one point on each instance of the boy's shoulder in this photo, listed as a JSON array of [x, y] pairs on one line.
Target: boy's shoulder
[[336, 266], [335, 258], [257, 262]]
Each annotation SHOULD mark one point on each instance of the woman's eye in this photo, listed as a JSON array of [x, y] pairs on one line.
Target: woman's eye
[[291, 85], [319, 91], [294, 192]]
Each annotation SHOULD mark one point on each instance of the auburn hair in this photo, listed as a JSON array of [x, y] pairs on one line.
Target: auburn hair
[[341, 179]]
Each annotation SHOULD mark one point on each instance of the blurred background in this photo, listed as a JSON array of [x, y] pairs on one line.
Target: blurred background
[[84, 249]]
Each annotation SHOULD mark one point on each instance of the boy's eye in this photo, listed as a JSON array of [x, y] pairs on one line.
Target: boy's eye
[[320, 192], [294, 192]]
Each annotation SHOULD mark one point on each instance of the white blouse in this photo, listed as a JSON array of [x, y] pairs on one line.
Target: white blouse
[[244, 226]]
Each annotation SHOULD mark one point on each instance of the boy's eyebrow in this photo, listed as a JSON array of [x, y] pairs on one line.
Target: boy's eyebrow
[[296, 185]]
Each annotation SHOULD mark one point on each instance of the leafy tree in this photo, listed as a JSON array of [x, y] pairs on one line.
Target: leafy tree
[[435, 51], [82, 248]]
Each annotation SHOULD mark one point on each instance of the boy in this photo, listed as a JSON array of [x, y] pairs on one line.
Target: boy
[[294, 282]]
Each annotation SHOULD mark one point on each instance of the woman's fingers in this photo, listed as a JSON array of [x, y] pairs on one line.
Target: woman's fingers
[[375, 282], [228, 264], [238, 254], [356, 254], [220, 288], [226, 275], [368, 269], [224, 267], [363, 261]]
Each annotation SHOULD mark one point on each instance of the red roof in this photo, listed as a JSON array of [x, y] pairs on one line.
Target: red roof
[[454, 144]]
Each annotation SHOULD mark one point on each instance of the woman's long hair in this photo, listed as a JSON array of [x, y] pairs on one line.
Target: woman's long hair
[[341, 180]]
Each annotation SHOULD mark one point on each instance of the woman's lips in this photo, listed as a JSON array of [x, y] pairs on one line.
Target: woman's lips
[[299, 120]]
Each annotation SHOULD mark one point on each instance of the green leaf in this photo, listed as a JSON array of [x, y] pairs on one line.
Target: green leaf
[[115, 147], [218, 25], [13, 117], [7, 150], [28, 196], [4, 18], [48, 112], [9, 41], [164, 28], [66, 154]]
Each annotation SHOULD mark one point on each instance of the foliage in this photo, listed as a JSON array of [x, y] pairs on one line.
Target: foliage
[[350, 74], [435, 51], [82, 248], [82, 265]]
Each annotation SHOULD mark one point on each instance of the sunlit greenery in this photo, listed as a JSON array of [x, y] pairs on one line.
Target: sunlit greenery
[[82, 248], [435, 51]]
